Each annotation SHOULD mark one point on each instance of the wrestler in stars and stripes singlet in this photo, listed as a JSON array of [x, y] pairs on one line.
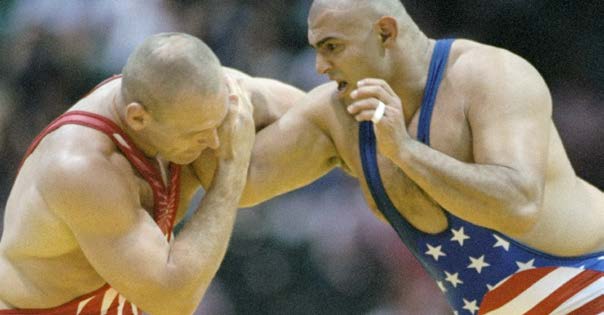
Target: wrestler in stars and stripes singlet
[[106, 300], [469, 261]]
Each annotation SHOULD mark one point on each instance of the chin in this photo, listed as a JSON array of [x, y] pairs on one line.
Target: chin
[[188, 158], [184, 160]]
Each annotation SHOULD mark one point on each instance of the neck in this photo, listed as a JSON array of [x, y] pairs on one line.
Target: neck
[[118, 115], [411, 72]]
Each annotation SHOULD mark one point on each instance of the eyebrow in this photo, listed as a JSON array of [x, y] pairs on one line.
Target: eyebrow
[[322, 42]]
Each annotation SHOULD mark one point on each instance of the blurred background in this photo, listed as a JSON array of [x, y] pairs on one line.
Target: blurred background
[[317, 250]]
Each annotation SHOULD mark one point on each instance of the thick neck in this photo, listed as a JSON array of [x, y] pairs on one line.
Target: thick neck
[[411, 66]]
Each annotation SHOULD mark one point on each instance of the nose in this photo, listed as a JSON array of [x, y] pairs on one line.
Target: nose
[[322, 66]]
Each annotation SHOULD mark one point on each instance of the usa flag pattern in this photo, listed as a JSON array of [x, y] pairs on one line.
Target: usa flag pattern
[[469, 262]]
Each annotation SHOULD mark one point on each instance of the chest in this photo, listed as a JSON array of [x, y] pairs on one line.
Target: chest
[[449, 133]]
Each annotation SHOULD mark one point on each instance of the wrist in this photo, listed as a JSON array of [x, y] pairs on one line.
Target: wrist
[[401, 153]]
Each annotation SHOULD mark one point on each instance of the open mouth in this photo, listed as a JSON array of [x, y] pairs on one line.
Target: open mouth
[[342, 85]]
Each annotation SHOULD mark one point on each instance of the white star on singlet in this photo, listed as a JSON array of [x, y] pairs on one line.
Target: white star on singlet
[[470, 306], [453, 279], [478, 264], [525, 265], [459, 236], [435, 252], [501, 243]]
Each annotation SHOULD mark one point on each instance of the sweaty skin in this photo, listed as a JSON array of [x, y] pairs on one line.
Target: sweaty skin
[[78, 215], [495, 159]]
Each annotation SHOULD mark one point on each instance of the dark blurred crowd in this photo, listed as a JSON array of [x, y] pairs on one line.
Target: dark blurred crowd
[[317, 250]]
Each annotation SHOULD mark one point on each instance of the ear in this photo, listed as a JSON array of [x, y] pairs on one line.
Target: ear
[[137, 117], [387, 28]]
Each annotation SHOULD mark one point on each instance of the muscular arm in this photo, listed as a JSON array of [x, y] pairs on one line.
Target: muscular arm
[[510, 121], [126, 247], [291, 152]]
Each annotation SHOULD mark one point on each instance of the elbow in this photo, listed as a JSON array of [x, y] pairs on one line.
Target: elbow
[[182, 308], [170, 302], [181, 294], [185, 307], [180, 300], [526, 209], [525, 217]]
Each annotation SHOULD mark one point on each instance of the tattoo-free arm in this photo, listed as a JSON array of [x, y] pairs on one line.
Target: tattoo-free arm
[[510, 119], [124, 244], [290, 153]]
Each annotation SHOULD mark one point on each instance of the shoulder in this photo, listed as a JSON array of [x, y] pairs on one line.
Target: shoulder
[[320, 104], [323, 97], [85, 174], [485, 74]]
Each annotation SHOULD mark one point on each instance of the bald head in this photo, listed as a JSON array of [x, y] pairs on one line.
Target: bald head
[[169, 68], [374, 8]]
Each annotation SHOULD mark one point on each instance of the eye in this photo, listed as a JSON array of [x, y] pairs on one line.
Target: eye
[[330, 47]]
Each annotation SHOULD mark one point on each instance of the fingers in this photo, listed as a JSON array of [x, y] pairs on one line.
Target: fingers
[[365, 110], [236, 94], [365, 115], [233, 99], [363, 105], [374, 90], [377, 82], [230, 84], [379, 113], [367, 97], [367, 91]]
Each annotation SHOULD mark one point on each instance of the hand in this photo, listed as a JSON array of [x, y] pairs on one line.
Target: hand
[[237, 132], [391, 130]]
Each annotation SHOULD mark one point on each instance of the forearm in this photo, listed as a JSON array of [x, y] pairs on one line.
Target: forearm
[[490, 195], [279, 166], [199, 249]]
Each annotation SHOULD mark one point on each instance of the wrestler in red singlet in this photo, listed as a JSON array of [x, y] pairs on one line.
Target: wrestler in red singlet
[[106, 300]]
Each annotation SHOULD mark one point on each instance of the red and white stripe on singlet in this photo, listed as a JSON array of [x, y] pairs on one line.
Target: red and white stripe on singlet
[[547, 290], [106, 300]]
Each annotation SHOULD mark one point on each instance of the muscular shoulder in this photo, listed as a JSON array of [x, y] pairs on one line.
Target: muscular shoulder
[[320, 105], [321, 99], [485, 72], [85, 176]]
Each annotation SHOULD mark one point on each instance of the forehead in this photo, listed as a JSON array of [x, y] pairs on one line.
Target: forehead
[[203, 111], [333, 23]]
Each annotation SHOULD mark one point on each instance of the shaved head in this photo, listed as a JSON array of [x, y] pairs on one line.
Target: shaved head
[[170, 68], [373, 8]]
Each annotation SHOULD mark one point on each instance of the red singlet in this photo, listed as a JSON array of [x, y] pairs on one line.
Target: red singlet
[[106, 300]]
